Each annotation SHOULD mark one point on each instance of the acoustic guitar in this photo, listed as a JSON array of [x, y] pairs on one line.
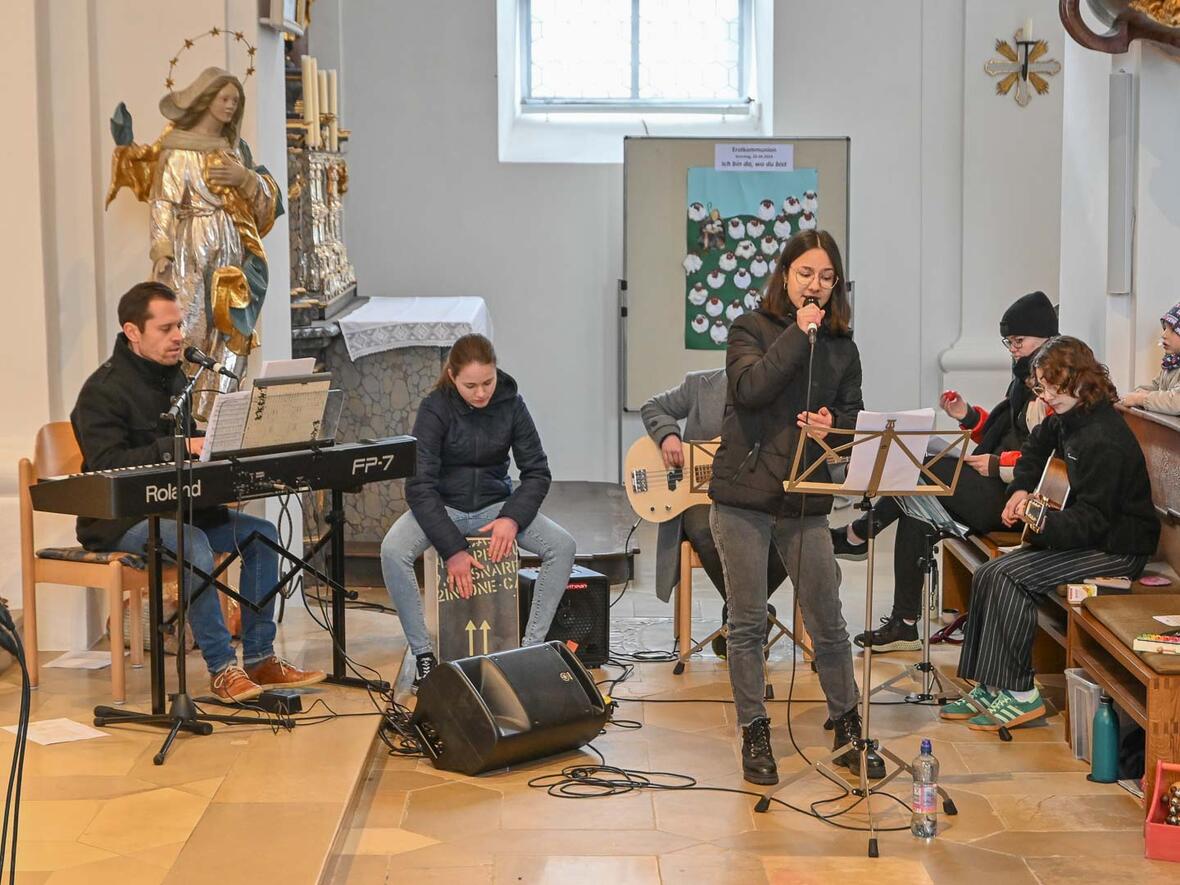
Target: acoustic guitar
[[658, 493], [1051, 494]]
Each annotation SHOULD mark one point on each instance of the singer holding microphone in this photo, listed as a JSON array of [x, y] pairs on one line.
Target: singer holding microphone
[[801, 332], [117, 424]]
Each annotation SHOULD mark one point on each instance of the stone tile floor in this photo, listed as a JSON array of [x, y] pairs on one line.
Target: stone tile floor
[[249, 805], [1026, 811]]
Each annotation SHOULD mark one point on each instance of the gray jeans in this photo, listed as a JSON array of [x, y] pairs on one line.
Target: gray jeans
[[743, 539]]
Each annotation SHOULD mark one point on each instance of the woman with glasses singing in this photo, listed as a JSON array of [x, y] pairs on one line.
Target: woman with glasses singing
[[767, 368], [1107, 527], [981, 491]]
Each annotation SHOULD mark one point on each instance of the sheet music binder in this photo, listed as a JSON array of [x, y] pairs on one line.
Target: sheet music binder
[[276, 413]]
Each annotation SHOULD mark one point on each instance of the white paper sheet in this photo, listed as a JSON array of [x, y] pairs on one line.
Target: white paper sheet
[[283, 368], [900, 473], [58, 731], [82, 660], [1168, 620], [227, 423]]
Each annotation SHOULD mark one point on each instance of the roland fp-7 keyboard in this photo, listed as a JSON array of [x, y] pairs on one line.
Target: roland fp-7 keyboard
[[148, 490]]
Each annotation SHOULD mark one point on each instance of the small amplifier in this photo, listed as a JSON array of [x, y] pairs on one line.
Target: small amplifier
[[582, 621]]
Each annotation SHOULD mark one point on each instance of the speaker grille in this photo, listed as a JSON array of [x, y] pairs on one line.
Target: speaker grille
[[582, 617]]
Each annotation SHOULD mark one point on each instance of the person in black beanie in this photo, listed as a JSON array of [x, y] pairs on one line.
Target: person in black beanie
[[979, 497]]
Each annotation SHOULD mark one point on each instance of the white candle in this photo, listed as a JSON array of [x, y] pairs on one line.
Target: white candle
[[333, 95], [1028, 29], [305, 65], [313, 96], [324, 109]]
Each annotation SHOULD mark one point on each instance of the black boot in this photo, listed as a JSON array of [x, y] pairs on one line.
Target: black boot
[[757, 758], [847, 729]]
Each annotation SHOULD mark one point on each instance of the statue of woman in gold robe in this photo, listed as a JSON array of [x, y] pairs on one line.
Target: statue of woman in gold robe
[[210, 208]]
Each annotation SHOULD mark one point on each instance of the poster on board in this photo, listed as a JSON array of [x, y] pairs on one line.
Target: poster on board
[[736, 224]]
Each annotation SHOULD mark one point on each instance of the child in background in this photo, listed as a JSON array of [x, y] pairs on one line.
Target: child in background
[[1163, 394]]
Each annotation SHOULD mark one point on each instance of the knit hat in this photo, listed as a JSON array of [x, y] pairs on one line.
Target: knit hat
[[1032, 314], [1172, 317]]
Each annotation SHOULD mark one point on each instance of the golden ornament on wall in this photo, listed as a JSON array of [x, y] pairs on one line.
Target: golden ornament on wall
[[1023, 63]]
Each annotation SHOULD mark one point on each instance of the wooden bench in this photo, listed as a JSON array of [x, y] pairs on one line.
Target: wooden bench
[[961, 558], [1145, 686]]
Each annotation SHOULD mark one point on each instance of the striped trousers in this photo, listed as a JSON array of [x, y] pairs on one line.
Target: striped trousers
[[1002, 617]]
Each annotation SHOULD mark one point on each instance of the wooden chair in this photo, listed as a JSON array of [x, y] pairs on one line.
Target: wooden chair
[[682, 619], [56, 452]]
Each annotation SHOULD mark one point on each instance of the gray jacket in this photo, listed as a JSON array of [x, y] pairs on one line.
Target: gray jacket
[[699, 401]]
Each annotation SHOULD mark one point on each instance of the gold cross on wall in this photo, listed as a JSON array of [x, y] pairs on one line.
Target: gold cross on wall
[[1020, 71]]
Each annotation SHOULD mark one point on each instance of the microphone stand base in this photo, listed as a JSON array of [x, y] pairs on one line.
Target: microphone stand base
[[182, 715]]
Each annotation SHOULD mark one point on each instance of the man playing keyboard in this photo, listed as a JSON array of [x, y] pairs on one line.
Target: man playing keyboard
[[117, 423]]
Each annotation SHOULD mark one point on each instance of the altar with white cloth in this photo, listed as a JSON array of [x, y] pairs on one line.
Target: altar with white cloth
[[386, 359]]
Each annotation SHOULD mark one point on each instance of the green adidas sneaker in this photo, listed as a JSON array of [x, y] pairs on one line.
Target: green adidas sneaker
[[1005, 710], [964, 709]]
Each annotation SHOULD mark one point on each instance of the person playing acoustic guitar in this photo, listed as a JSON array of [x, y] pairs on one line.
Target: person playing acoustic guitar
[[980, 494], [1107, 526]]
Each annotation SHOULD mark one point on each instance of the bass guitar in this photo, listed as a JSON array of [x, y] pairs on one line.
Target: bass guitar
[[658, 493]]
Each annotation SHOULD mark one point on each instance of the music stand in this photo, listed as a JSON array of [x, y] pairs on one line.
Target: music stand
[[883, 441]]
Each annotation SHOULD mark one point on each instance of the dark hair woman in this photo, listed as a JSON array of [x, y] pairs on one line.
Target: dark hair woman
[[1108, 527], [466, 428], [766, 404]]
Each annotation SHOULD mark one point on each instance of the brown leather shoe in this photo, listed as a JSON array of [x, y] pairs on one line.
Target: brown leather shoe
[[232, 684], [274, 672]]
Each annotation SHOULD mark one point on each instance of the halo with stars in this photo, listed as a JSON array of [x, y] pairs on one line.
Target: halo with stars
[[238, 36]]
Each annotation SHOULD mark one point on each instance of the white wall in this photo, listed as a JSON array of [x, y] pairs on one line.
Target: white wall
[[1011, 177], [432, 211], [1123, 329], [1157, 203], [935, 154], [1084, 158]]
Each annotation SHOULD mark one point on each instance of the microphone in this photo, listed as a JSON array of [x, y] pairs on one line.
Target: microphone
[[195, 355], [812, 328]]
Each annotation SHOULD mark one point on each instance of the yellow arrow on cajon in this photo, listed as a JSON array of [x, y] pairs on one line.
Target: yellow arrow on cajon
[[484, 628]]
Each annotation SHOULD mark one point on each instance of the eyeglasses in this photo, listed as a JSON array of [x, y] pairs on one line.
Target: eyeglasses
[[1039, 389], [827, 278], [1013, 343]]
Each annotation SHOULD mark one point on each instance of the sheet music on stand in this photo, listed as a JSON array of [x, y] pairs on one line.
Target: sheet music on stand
[[277, 412], [900, 472]]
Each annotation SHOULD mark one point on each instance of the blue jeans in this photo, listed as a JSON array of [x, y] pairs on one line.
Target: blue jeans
[[405, 542], [260, 569]]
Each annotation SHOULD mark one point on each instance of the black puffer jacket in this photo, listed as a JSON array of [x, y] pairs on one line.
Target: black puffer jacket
[[766, 366], [116, 421], [1006, 427], [1109, 506], [463, 462]]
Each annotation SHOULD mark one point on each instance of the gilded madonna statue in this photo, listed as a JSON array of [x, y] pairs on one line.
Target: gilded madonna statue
[[210, 208]]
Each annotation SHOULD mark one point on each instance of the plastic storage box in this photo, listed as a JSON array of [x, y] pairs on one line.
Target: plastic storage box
[[1083, 695], [1161, 841]]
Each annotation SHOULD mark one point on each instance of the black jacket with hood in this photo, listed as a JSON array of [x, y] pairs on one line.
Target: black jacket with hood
[[766, 368], [463, 461]]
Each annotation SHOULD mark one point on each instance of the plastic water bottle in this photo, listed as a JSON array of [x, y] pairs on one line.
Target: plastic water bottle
[[924, 823]]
